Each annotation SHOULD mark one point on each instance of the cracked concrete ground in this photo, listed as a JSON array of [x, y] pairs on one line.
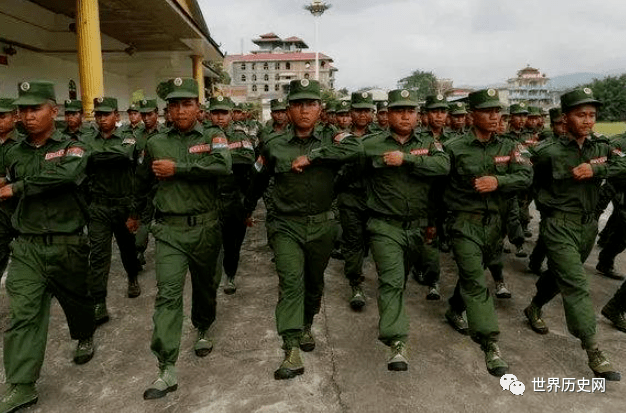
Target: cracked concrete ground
[[346, 372]]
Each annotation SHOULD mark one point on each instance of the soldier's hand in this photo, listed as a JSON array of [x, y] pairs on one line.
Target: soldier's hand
[[300, 163], [163, 168], [582, 172], [249, 222], [430, 234], [395, 158], [132, 224], [3, 181], [6, 192], [486, 184]]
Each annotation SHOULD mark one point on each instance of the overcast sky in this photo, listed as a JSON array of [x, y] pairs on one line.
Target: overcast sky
[[473, 42]]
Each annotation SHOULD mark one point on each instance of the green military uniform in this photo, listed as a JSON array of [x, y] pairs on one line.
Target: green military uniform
[[7, 207], [72, 105], [457, 109], [187, 233], [300, 230], [375, 126], [476, 224], [50, 255], [137, 129], [112, 187], [398, 200]]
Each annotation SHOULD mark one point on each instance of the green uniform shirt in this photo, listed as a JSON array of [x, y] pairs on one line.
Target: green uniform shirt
[[46, 179], [402, 192], [556, 189], [137, 131], [199, 160], [111, 168], [82, 132], [14, 137], [311, 191], [243, 157], [470, 159]]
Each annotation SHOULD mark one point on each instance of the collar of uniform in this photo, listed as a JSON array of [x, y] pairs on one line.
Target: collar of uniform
[[414, 135], [475, 141], [56, 136], [315, 134], [568, 139], [197, 129]]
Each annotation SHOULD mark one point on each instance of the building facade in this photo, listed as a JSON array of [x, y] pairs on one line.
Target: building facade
[[265, 73], [530, 85]]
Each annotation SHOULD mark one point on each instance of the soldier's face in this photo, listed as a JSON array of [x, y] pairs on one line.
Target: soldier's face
[[581, 120], [457, 122], [518, 121], [7, 122], [279, 117], [38, 119], [361, 117], [106, 121], [383, 118], [343, 120], [486, 120], [150, 119], [559, 126], [504, 123], [134, 117], [402, 120], [304, 113], [200, 115], [238, 115], [221, 118], [532, 122], [184, 112], [74, 119], [437, 118]]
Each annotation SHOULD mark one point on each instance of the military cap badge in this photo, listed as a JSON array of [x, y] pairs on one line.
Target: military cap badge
[[492, 93], [178, 81], [304, 82], [440, 97], [220, 98], [404, 93], [587, 91], [364, 95], [25, 86]]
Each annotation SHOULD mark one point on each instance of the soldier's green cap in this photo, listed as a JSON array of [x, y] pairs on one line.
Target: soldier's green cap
[[505, 111], [343, 106], [331, 106], [73, 105], [104, 104], [148, 105], [555, 114], [362, 100], [534, 111], [457, 108], [402, 98], [221, 103], [382, 106], [7, 105], [34, 92], [133, 107], [436, 102], [484, 99], [181, 88], [519, 108], [578, 97], [278, 104], [304, 89], [237, 107]]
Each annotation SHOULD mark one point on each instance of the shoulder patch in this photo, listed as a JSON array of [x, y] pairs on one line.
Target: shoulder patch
[[219, 142], [202, 148], [341, 136], [76, 151], [130, 141], [53, 155]]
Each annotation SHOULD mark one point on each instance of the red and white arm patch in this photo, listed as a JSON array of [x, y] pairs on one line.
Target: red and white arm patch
[[53, 155], [419, 152], [502, 159], [219, 142], [76, 151], [598, 161], [202, 148]]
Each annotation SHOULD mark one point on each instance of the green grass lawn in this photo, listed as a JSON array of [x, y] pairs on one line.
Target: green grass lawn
[[610, 128]]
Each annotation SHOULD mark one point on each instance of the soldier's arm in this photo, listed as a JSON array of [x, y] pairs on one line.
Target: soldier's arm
[[346, 149], [436, 163], [69, 170], [261, 174], [217, 161], [519, 175]]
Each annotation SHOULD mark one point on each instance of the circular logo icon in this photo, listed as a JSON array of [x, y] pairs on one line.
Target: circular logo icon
[[404, 93], [587, 91], [304, 82], [385, 103], [280, 100], [178, 81], [440, 97], [491, 92], [144, 102], [220, 98], [459, 105], [100, 100], [68, 102], [364, 95], [522, 105], [344, 103], [25, 86]]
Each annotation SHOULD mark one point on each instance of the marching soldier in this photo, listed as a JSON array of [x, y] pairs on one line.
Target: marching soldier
[[74, 121], [382, 119], [485, 169], [134, 125], [457, 112], [50, 256]]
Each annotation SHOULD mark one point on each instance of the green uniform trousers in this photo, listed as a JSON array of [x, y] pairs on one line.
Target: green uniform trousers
[[145, 217], [569, 239], [7, 234], [43, 267], [233, 221], [184, 243], [104, 222], [476, 243], [354, 244], [392, 243], [302, 247]]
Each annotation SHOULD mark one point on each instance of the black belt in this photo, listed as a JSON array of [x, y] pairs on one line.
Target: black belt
[[401, 223], [483, 217], [311, 219], [579, 218], [187, 220], [49, 239]]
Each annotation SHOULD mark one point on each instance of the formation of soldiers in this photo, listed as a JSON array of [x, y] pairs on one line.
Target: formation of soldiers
[[459, 176]]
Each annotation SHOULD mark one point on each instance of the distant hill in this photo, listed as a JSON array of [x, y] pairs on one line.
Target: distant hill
[[572, 80]]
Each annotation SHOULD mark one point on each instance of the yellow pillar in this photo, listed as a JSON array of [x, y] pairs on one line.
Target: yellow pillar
[[89, 53], [198, 74]]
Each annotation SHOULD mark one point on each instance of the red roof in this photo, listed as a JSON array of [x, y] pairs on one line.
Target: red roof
[[268, 36], [270, 57], [292, 39]]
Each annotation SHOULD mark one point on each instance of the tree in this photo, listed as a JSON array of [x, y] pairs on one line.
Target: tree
[[425, 83], [610, 91]]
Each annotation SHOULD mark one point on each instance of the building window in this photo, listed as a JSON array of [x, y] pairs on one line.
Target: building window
[[266, 66], [266, 78], [307, 64], [266, 88], [254, 88], [254, 78], [306, 75], [253, 66], [288, 66], [243, 78], [277, 87], [277, 66], [243, 66], [277, 77], [323, 64]]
